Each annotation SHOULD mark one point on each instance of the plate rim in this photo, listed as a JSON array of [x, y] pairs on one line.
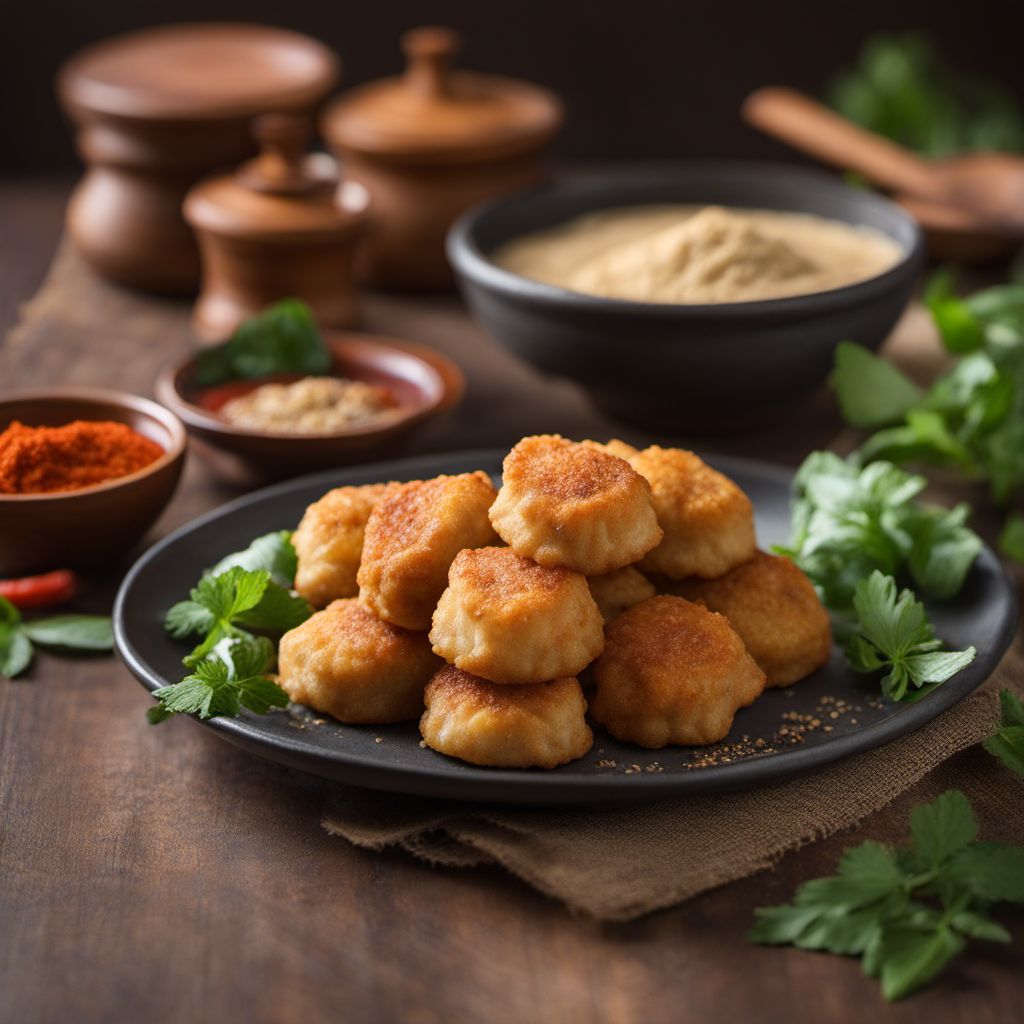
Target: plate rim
[[500, 785]]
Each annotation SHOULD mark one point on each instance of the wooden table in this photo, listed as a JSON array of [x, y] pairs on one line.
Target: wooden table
[[161, 875]]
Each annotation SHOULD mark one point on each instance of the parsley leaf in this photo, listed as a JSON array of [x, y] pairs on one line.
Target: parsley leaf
[[1007, 743], [221, 685], [282, 339], [1011, 540], [849, 520], [905, 912], [273, 552], [893, 633], [871, 391]]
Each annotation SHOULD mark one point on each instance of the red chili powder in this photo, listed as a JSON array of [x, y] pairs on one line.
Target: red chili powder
[[39, 460]]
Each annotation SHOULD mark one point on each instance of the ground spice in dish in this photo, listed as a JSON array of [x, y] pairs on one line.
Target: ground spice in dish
[[42, 460]]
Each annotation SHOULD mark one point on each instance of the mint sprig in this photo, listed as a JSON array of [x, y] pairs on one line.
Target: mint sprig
[[1007, 743], [905, 912]]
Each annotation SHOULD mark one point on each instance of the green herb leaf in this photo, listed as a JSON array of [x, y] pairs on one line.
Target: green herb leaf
[[282, 339], [273, 552], [912, 957], [894, 632], [1007, 743], [943, 827], [79, 632], [187, 618], [882, 904], [278, 611], [990, 871], [943, 548], [1011, 540], [959, 328], [871, 391], [15, 651]]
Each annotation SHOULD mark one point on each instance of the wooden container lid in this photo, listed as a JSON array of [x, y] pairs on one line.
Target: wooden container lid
[[434, 111], [284, 195], [198, 72]]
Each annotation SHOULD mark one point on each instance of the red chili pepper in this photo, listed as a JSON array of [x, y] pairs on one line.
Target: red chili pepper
[[40, 591]]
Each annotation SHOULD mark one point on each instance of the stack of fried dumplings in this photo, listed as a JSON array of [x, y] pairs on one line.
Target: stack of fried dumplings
[[476, 610]]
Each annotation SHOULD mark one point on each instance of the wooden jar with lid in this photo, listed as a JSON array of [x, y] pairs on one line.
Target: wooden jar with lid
[[429, 144], [154, 112], [280, 226]]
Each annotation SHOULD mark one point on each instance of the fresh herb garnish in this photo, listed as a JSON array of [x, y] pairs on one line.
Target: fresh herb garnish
[[850, 520], [893, 634], [972, 418], [282, 339], [905, 912], [245, 591], [1007, 743], [902, 89], [64, 632]]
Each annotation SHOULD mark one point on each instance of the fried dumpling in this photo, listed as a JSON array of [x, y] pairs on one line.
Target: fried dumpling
[[572, 505], [620, 449], [776, 611], [348, 663], [509, 620], [541, 725], [616, 591], [672, 672], [329, 543], [412, 535], [708, 521]]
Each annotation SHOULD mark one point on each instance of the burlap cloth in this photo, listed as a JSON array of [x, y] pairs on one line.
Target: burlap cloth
[[613, 864]]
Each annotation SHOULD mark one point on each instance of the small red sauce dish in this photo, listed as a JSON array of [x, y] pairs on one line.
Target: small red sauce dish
[[421, 382]]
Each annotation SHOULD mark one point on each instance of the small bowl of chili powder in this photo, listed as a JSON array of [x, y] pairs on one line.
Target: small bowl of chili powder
[[83, 475]]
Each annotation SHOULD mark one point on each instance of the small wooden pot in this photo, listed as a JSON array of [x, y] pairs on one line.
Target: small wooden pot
[[281, 226], [428, 145], [157, 110]]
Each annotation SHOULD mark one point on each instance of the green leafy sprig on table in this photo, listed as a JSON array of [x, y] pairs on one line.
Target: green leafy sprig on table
[[906, 912], [284, 338], [902, 89], [232, 608], [60, 632], [972, 418]]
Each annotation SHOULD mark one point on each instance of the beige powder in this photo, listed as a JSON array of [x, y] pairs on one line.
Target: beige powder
[[686, 254]]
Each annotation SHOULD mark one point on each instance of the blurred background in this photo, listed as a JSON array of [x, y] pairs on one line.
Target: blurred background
[[648, 78]]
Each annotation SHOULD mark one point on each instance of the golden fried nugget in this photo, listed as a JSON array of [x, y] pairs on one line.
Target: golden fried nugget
[[537, 726], [509, 620], [349, 664], [775, 609], [620, 449], [708, 521], [329, 543], [569, 504], [672, 672], [412, 535], [616, 591]]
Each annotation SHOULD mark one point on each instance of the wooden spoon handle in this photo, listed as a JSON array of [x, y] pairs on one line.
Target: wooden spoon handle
[[811, 127]]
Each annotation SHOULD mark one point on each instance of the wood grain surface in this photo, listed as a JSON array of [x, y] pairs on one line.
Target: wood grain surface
[[160, 875]]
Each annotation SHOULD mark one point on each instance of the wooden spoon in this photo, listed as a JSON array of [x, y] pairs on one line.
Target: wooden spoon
[[976, 199]]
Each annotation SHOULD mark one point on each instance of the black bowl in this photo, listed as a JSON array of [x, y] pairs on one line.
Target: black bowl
[[694, 367]]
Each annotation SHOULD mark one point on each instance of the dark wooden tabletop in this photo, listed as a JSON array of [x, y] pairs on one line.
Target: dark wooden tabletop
[[161, 875]]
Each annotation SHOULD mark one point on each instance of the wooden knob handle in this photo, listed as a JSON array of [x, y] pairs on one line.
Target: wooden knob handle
[[430, 52], [280, 167], [811, 127]]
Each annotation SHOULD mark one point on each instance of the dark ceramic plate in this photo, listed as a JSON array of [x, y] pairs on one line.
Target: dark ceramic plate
[[761, 747]]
